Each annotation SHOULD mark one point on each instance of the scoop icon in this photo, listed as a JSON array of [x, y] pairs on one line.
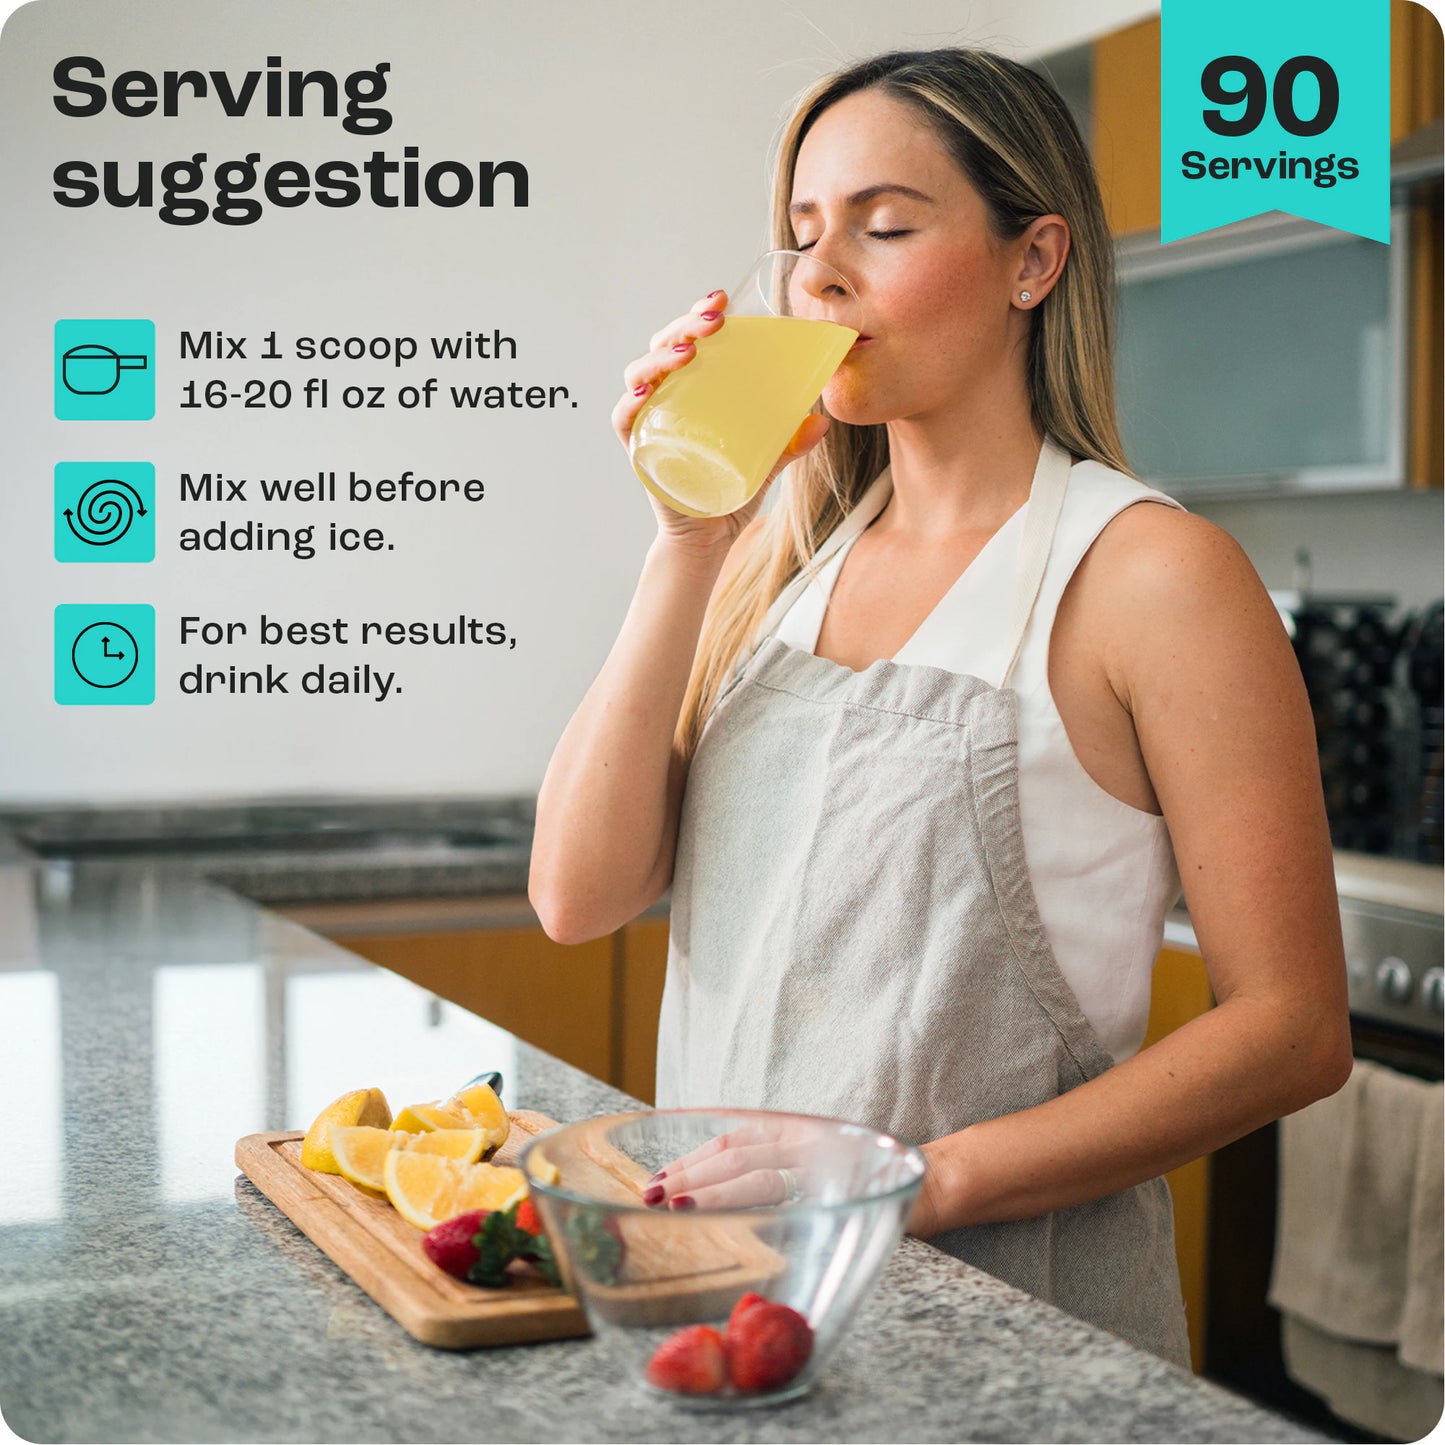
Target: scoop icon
[[94, 370]]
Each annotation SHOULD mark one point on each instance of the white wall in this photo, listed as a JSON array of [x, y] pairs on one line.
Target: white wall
[[1040, 27], [1387, 543]]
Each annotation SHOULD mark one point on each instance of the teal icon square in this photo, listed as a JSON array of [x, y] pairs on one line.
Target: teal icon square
[[105, 370], [105, 512], [105, 654]]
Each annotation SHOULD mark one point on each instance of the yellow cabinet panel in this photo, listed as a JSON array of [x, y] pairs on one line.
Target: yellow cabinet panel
[[1181, 992], [1126, 126], [643, 965]]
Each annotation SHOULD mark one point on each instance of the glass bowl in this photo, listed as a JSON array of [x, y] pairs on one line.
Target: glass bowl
[[809, 1213]]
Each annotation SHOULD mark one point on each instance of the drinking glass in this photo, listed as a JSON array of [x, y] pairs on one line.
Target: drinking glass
[[707, 438]]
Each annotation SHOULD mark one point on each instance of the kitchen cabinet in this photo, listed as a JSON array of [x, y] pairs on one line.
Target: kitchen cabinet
[[1181, 992], [1125, 106], [1417, 97], [1425, 455], [1417, 68], [1125, 138]]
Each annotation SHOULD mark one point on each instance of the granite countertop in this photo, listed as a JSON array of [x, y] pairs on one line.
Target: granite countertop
[[149, 1018]]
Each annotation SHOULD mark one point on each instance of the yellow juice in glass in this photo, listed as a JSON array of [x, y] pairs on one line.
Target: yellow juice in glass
[[707, 439]]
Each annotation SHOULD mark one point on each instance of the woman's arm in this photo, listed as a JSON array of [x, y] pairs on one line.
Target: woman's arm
[[1194, 650], [608, 808]]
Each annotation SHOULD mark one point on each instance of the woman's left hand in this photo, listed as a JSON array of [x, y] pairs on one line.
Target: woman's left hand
[[764, 1165], [749, 1168]]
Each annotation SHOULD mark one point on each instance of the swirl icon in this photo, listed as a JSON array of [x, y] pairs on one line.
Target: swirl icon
[[104, 512]]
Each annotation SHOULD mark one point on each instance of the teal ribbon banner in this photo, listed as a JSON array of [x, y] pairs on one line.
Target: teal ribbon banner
[[1275, 105]]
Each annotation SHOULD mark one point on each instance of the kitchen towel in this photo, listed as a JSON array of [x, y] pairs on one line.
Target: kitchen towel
[[1364, 1384], [1422, 1331], [1357, 1260]]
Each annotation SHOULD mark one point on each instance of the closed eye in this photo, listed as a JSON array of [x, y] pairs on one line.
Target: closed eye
[[877, 236]]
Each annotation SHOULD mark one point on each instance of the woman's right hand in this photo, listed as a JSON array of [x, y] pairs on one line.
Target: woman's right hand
[[669, 350]]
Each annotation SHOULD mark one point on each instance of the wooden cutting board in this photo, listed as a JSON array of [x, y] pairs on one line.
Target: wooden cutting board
[[676, 1272], [367, 1238]]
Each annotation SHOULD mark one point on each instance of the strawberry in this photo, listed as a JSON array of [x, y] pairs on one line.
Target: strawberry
[[452, 1244], [743, 1306], [767, 1344], [479, 1245], [528, 1218], [689, 1362]]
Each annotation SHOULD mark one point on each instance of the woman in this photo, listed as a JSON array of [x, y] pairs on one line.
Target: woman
[[971, 709]]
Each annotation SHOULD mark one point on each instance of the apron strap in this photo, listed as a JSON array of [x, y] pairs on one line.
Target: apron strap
[[1046, 501], [868, 506]]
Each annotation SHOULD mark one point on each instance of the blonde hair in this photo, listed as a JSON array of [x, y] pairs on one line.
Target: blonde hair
[[1012, 136]]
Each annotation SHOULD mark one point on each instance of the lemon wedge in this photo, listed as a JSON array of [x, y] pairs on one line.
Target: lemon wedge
[[474, 1107], [423, 1118], [429, 1188], [361, 1151], [360, 1106], [481, 1104]]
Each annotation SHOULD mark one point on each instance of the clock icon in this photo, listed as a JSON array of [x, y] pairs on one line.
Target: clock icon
[[105, 654]]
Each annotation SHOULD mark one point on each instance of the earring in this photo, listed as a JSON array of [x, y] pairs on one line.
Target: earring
[[1025, 295]]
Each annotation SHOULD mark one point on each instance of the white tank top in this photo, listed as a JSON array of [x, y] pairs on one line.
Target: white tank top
[[1103, 872]]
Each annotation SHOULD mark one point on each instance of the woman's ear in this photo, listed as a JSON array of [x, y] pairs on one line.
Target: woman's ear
[[1044, 249]]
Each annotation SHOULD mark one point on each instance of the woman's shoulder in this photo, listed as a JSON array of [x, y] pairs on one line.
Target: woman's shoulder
[[1151, 542], [1157, 572]]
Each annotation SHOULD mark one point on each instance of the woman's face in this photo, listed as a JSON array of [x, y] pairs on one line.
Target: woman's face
[[877, 197]]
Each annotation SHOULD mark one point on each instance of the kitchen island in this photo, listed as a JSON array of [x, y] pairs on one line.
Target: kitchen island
[[150, 1018]]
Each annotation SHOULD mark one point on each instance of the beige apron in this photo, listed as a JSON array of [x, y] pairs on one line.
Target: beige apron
[[854, 933]]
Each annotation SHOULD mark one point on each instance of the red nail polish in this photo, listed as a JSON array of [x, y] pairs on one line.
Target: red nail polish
[[684, 1201], [711, 294], [640, 390], [711, 315], [653, 1195], [683, 346], [658, 1177]]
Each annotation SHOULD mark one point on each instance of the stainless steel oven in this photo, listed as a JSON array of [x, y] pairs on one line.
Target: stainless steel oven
[[1397, 997]]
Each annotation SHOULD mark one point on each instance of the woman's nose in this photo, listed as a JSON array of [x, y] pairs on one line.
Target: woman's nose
[[817, 286]]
